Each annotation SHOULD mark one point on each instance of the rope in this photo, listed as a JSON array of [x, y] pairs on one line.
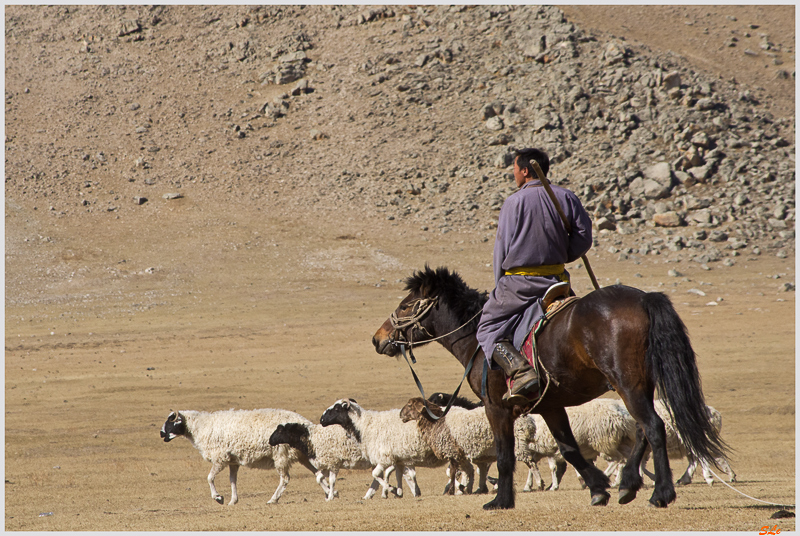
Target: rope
[[399, 323], [748, 496]]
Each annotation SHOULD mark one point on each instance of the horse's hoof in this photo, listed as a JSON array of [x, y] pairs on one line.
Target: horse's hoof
[[657, 503], [495, 505], [626, 496], [600, 499]]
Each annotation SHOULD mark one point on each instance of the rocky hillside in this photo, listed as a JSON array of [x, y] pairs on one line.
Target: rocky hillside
[[400, 113]]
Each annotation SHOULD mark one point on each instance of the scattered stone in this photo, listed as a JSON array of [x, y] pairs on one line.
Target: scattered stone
[[172, 196], [128, 27], [139, 200], [668, 219], [317, 134], [787, 287], [696, 291], [605, 224], [495, 123]]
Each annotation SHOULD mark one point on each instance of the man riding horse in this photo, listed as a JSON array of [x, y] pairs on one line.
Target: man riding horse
[[530, 250]]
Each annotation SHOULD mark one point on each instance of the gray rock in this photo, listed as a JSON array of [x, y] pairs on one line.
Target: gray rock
[[717, 236], [495, 123], [672, 81], [654, 190], [605, 223]]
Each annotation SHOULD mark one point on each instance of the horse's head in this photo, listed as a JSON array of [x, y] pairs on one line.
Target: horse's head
[[436, 304]]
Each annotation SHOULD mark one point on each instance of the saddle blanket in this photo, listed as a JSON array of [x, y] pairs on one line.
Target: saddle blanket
[[529, 344]]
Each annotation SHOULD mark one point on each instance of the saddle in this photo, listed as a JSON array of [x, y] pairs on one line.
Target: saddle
[[553, 303]]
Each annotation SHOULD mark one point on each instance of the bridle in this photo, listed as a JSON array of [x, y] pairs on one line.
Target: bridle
[[419, 310]]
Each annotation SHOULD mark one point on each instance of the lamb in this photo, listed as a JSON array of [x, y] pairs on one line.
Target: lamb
[[677, 451], [329, 448], [439, 434], [237, 438], [386, 442]]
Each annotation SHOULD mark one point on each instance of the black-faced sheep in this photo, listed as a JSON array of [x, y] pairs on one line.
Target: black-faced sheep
[[387, 443], [237, 438], [329, 448]]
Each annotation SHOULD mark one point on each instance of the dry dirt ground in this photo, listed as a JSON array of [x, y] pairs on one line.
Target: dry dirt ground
[[247, 309]]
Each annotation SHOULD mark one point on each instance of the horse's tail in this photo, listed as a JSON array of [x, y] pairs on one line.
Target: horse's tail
[[671, 362]]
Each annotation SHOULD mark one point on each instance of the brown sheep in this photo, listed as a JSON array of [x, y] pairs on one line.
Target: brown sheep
[[437, 434]]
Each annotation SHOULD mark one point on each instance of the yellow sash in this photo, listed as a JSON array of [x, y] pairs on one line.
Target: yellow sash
[[544, 270]]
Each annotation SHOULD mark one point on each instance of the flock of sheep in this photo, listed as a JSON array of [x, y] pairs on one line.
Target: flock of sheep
[[351, 437]]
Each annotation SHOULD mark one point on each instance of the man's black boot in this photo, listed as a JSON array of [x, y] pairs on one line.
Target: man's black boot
[[525, 379]]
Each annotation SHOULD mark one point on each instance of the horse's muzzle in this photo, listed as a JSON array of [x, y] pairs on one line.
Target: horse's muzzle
[[383, 344]]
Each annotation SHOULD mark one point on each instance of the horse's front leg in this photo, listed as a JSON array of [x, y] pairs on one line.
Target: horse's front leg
[[597, 482], [501, 419]]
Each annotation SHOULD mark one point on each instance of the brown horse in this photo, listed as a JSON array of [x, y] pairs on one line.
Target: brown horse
[[618, 338]]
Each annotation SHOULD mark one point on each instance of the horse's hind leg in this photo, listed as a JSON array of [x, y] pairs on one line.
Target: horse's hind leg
[[596, 481], [631, 481], [645, 414]]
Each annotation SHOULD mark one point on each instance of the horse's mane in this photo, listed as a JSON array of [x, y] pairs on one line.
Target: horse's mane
[[450, 288]]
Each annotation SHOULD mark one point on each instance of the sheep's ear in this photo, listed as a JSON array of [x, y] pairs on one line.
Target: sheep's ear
[[419, 405]]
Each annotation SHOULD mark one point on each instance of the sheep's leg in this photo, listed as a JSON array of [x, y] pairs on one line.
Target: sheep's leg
[[557, 470], [284, 481], [377, 474], [725, 466], [686, 479], [372, 489], [399, 470], [483, 472], [452, 469], [319, 475], [449, 474], [410, 475], [234, 495], [706, 472], [534, 477], [332, 482], [613, 468], [470, 470], [216, 467]]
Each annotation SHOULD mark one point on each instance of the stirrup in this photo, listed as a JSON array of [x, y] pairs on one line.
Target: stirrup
[[559, 290]]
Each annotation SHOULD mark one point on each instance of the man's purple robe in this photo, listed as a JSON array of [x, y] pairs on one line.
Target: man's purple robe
[[530, 233]]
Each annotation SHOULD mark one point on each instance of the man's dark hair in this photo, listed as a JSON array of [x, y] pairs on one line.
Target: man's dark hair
[[523, 159]]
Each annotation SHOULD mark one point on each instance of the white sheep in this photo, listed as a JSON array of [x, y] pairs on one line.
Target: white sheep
[[602, 427], [329, 448], [676, 450], [235, 438], [387, 442]]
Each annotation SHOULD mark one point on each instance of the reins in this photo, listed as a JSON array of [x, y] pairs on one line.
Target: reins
[[420, 309]]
